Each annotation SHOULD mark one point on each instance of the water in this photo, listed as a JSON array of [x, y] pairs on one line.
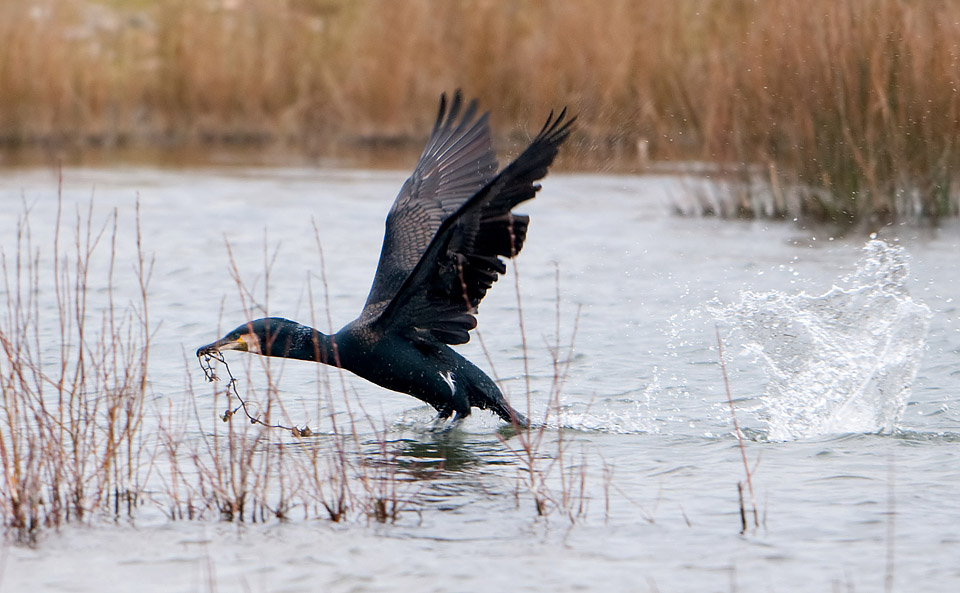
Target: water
[[841, 361], [841, 355]]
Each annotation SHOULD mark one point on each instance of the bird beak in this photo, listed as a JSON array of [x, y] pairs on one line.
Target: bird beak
[[224, 344]]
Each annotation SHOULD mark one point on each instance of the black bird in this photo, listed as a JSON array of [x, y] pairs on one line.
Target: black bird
[[445, 236]]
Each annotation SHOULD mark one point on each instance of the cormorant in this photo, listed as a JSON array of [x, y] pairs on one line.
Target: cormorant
[[445, 235]]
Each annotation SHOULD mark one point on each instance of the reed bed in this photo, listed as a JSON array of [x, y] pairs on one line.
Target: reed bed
[[72, 379], [844, 110]]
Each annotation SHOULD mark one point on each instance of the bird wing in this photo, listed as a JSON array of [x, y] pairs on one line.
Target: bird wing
[[439, 298], [456, 163]]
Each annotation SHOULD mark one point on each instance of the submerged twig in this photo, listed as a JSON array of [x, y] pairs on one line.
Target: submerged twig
[[210, 372]]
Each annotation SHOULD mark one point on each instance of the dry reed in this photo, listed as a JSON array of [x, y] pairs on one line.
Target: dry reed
[[850, 107], [544, 470], [72, 378], [748, 472]]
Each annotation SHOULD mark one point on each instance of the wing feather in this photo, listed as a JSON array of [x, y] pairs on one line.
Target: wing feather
[[456, 163], [438, 299]]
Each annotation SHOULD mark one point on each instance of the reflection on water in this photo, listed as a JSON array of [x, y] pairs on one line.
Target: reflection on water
[[451, 451], [425, 459], [645, 427], [439, 452]]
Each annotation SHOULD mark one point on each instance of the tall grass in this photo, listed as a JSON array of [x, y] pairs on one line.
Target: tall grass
[[544, 469], [850, 107], [72, 380]]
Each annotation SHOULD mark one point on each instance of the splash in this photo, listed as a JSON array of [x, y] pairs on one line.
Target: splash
[[839, 362], [623, 415]]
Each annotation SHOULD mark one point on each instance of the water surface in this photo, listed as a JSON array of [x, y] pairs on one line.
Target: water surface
[[845, 501]]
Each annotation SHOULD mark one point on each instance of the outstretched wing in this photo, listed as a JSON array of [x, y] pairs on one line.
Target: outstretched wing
[[457, 162], [439, 298]]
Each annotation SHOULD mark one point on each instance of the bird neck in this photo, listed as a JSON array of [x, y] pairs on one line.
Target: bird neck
[[302, 342]]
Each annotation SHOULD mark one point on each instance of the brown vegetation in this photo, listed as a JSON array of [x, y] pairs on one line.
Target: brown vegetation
[[860, 98], [72, 381]]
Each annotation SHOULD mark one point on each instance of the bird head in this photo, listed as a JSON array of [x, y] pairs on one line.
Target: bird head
[[273, 336], [253, 336]]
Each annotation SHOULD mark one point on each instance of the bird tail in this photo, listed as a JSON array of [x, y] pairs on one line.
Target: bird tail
[[506, 411], [484, 394]]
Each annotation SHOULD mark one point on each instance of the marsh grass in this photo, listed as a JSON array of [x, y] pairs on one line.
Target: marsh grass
[[850, 108], [545, 471], [71, 438]]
